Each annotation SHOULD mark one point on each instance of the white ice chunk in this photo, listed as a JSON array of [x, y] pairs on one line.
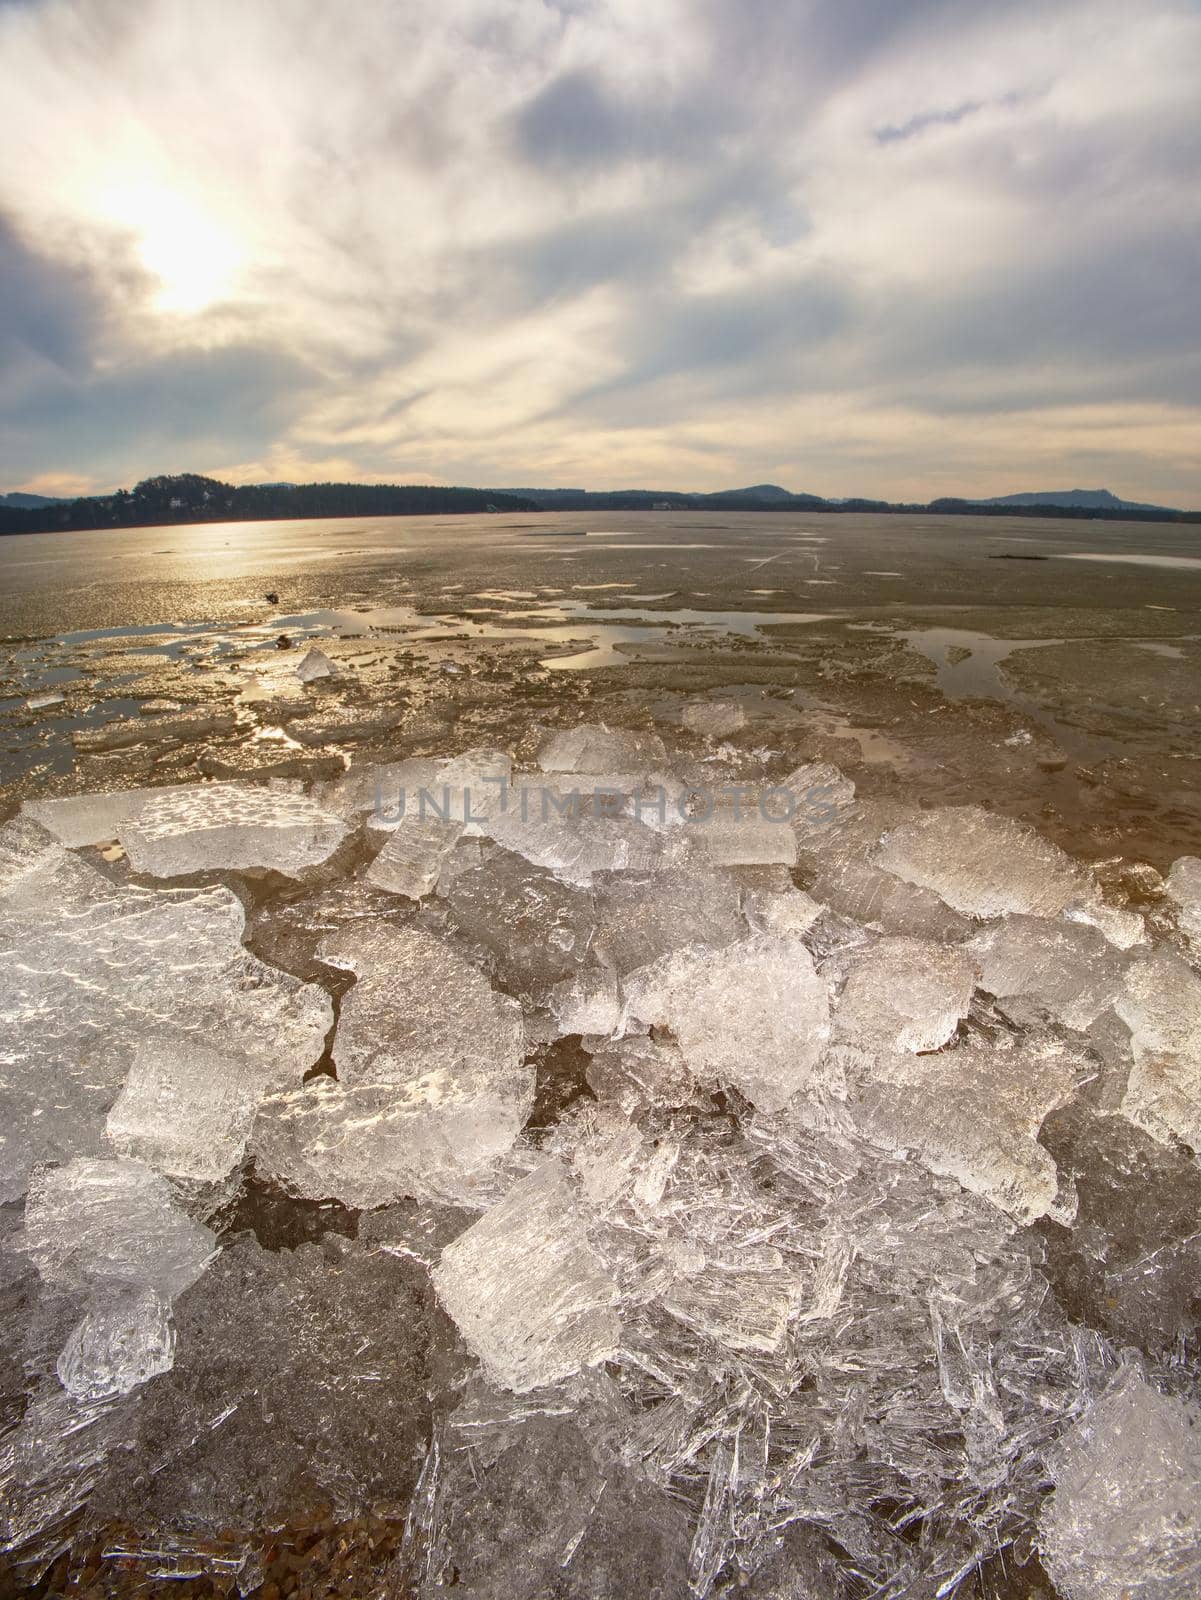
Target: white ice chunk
[[904, 994], [316, 664], [972, 1113], [1160, 1002], [1184, 890], [594, 748], [983, 864], [587, 1002], [1124, 1520], [576, 849], [783, 909], [754, 1017], [1065, 966], [93, 969], [413, 857], [231, 825], [745, 835], [112, 1224], [713, 719], [120, 1343], [530, 1296], [186, 1108]]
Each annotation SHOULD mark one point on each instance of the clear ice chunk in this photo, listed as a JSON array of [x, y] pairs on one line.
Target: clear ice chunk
[[744, 835], [536, 929], [419, 1014], [85, 819], [778, 906], [112, 1224], [1160, 1002], [575, 850], [121, 1342], [1065, 966], [1124, 1518], [1183, 888], [94, 969], [186, 1108], [414, 856], [754, 1016], [238, 826], [982, 864], [529, 1294], [639, 1072], [821, 794], [904, 994], [315, 664], [972, 1113], [593, 748], [713, 719], [587, 1002], [640, 918]]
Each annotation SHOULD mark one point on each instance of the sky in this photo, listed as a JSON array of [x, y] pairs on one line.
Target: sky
[[899, 248]]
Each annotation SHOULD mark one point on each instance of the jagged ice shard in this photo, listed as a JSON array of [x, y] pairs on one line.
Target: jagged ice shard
[[529, 1294]]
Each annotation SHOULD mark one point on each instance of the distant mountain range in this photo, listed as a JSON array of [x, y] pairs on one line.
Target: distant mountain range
[[188, 498]]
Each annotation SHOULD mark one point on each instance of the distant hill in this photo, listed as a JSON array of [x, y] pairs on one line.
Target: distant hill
[[761, 497], [1083, 499], [27, 502], [187, 497]]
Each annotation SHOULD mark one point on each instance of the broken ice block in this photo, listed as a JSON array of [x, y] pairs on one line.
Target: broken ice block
[[744, 835], [754, 1017], [1184, 890], [982, 864], [1160, 1002], [536, 929], [638, 1071], [904, 994], [587, 1002], [123, 1341], [593, 748], [820, 795], [575, 849], [640, 918], [529, 1294], [367, 1145], [93, 968], [186, 1108], [1124, 1518], [778, 906], [413, 857], [316, 664], [419, 1013], [83, 819], [1065, 966], [39, 702], [971, 1113], [112, 1223], [713, 719], [237, 826]]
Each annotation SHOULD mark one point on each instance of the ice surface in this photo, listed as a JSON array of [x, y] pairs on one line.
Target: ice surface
[[413, 857], [777, 906], [121, 1342], [1160, 1001], [112, 1224], [971, 1113], [982, 864], [94, 969], [300, 1385], [544, 1518], [754, 1017], [592, 748], [184, 727], [419, 1015], [1124, 1518], [1068, 968], [1184, 889], [821, 795], [316, 664], [587, 1002], [713, 719], [904, 994], [237, 826], [638, 1072], [186, 1108], [530, 1296], [744, 835]]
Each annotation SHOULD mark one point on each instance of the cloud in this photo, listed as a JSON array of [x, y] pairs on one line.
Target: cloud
[[855, 246]]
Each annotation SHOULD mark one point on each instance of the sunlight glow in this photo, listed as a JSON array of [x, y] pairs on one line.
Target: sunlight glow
[[192, 256]]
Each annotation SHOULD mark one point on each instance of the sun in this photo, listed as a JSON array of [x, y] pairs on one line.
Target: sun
[[193, 258]]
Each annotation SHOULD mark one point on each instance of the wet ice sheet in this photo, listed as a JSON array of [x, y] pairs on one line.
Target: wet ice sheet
[[232, 825]]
